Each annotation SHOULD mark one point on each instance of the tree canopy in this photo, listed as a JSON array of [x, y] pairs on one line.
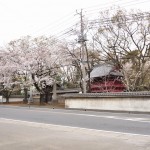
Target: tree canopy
[[118, 37]]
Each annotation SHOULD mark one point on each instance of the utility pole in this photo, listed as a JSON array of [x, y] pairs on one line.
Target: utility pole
[[82, 40]]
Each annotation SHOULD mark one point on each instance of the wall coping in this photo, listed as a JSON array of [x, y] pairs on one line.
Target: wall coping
[[100, 95]]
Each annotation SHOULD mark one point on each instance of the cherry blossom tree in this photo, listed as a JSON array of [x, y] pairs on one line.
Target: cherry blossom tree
[[8, 75], [38, 61]]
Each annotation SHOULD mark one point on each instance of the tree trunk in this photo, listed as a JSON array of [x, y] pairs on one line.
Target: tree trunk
[[48, 97], [41, 98], [7, 99], [89, 83], [6, 94], [48, 94], [25, 100]]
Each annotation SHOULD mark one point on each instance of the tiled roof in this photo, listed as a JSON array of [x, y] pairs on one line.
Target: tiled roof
[[104, 70]]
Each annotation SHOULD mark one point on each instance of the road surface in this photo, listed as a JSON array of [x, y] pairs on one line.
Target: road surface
[[34, 128]]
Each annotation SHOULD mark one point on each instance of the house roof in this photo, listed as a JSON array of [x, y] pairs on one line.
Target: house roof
[[104, 70]]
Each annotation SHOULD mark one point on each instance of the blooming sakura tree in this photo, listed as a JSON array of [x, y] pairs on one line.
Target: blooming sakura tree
[[19, 53], [8, 73], [45, 68], [38, 63]]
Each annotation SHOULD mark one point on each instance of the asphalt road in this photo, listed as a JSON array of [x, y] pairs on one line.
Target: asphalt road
[[116, 122]]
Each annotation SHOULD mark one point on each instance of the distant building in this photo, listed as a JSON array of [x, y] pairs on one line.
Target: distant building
[[106, 78]]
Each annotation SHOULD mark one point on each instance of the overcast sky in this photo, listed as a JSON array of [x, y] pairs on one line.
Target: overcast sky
[[45, 17]]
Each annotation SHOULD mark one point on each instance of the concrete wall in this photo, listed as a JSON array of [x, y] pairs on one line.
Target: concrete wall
[[12, 100], [132, 104]]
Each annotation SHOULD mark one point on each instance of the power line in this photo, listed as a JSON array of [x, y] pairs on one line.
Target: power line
[[70, 29], [101, 6], [67, 29], [93, 11], [56, 27], [108, 19], [138, 2], [68, 32], [104, 21], [60, 24]]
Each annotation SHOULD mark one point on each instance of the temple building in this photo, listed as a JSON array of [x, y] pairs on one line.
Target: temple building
[[106, 78]]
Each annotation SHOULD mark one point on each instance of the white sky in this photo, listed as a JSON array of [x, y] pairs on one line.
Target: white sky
[[46, 17]]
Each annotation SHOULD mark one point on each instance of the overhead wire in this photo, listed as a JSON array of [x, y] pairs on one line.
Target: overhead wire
[[105, 21], [134, 2], [114, 3], [103, 4], [67, 32], [130, 3], [67, 29], [60, 24]]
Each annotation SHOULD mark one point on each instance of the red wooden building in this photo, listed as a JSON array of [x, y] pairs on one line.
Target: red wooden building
[[106, 78]]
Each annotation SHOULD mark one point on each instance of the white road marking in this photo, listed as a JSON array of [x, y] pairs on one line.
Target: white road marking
[[45, 125], [146, 120], [110, 117], [101, 116]]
